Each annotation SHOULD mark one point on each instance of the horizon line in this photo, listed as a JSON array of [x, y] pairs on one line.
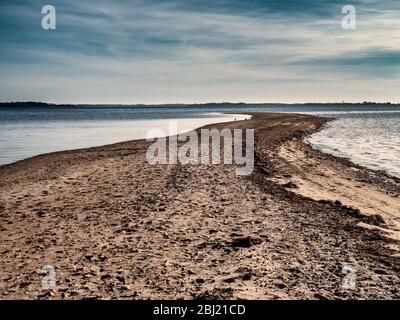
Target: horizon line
[[366, 102]]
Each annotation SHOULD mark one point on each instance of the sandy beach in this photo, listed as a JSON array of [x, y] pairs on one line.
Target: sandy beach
[[115, 227]]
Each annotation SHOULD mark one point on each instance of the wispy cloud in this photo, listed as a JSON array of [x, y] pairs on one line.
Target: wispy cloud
[[192, 50]]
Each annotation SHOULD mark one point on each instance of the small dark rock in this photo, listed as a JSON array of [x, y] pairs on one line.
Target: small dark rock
[[89, 256], [290, 185], [245, 242], [105, 276], [230, 280], [280, 285], [246, 276], [376, 220]]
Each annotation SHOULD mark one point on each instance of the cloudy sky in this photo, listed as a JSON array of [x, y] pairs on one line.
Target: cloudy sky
[[154, 51]]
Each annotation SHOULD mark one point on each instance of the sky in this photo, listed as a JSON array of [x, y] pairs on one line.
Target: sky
[[196, 51]]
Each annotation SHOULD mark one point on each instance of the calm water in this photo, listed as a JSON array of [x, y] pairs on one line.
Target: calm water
[[371, 139], [26, 132], [367, 134]]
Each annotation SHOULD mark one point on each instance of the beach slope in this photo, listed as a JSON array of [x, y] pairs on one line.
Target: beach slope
[[113, 226]]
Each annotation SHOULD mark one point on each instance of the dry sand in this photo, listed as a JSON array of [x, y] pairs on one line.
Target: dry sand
[[115, 227]]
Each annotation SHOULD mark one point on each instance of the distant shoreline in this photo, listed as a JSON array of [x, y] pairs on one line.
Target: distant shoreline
[[29, 104]]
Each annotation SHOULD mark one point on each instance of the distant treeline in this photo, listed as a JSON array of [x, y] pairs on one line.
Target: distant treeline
[[32, 104]]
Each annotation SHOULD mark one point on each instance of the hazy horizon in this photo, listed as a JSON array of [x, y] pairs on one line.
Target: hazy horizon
[[206, 103]]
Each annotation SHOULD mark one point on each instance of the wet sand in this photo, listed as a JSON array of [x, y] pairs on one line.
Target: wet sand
[[115, 227]]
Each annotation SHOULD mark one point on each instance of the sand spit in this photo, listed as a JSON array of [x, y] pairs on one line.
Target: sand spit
[[115, 227]]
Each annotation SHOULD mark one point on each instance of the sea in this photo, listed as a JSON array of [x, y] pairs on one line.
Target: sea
[[367, 134]]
